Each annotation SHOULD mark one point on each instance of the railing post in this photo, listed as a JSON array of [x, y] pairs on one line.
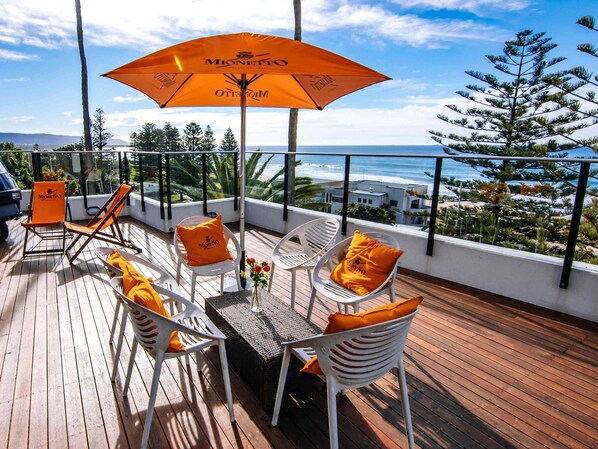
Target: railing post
[[168, 189], [236, 180], [36, 165], [584, 173], [285, 195], [141, 189], [434, 211], [160, 187], [120, 168], [346, 194], [127, 175], [83, 183], [204, 184]]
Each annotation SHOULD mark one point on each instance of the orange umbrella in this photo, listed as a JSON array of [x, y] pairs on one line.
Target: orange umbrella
[[248, 70]]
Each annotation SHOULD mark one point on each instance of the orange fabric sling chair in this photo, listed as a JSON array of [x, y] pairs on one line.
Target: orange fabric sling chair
[[48, 209], [103, 226]]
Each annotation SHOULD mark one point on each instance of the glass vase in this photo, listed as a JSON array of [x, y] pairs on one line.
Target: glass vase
[[256, 300]]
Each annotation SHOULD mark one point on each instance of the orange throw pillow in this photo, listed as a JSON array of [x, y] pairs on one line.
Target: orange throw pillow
[[366, 265], [339, 322], [118, 261], [205, 243], [143, 294]]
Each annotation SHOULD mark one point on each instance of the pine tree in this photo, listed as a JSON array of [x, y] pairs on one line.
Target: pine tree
[[229, 142], [208, 142], [100, 134], [504, 120], [172, 138], [192, 136]]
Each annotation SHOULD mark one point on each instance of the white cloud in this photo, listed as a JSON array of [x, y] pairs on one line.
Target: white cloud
[[17, 119], [148, 23], [15, 80], [129, 99], [8, 55], [403, 125], [480, 7]]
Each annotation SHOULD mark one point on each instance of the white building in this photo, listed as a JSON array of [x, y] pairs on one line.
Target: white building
[[406, 200]]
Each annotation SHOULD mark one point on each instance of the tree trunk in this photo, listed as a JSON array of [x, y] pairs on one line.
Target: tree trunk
[[84, 91], [294, 115]]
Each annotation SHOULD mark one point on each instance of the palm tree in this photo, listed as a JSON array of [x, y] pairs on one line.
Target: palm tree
[[294, 113], [84, 90]]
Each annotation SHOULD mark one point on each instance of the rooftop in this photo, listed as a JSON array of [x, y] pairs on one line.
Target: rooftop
[[483, 371]]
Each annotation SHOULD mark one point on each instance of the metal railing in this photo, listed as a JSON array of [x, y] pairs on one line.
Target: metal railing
[[128, 161]]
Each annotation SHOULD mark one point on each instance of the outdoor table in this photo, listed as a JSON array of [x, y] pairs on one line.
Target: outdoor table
[[253, 343]]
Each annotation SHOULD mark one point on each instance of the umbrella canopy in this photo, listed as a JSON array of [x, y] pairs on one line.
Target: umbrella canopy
[[245, 69], [279, 72]]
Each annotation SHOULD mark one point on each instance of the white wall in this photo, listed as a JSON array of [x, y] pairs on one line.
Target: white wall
[[515, 274]]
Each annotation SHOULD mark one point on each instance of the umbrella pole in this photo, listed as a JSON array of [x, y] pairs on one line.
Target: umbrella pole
[[243, 86]]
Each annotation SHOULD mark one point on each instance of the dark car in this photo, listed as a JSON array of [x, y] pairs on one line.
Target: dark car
[[10, 199]]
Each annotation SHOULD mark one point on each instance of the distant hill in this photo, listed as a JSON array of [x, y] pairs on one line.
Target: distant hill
[[47, 139]]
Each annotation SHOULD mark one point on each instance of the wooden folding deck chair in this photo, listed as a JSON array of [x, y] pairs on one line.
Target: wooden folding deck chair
[[103, 226], [48, 209]]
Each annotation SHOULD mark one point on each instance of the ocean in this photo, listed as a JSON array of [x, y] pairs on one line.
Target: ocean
[[386, 169]]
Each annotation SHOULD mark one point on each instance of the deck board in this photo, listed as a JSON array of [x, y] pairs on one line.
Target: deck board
[[483, 371]]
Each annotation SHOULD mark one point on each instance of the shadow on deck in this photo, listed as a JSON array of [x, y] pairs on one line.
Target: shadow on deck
[[483, 371]]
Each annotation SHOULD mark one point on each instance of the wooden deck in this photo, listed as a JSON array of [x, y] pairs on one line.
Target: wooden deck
[[483, 371]]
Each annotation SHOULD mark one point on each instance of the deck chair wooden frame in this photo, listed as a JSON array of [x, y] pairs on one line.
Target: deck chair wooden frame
[[103, 226], [48, 210]]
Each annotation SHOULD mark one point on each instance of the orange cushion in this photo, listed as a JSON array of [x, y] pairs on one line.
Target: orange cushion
[[339, 322], [366, 265], [143, 294], [118, 261], [205, 243]]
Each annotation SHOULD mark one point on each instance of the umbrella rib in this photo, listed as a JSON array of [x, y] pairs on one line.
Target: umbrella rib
[[163, 105], [307, 93]]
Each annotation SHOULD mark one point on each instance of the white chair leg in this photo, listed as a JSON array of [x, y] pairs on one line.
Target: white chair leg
[[271, 276], [391, 292], [222, 283], [114, 322], [130, 368], [193, 282], [293, 279], [226, 378], [178, 272], [119, 344], [152, 399], [405, 403], [311, 284], [286, 358], [355, 307], [332, 418], [312, 299]]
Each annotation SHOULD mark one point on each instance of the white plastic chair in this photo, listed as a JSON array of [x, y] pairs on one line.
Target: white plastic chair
[[315, 237], [146, 268], [152, 331], [214, 269], [326, 287], [352, 359]]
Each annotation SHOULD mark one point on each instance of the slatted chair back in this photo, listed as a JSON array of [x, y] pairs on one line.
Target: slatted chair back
[[353, 359], [213, 269], [153, 331], [315, 237], [326, 287]]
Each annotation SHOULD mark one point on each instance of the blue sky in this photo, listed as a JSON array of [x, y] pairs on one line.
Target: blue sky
[[424, 45]]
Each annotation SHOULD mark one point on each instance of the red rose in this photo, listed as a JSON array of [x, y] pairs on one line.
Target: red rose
[[267, 268], [250, 260], [257, 269]]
